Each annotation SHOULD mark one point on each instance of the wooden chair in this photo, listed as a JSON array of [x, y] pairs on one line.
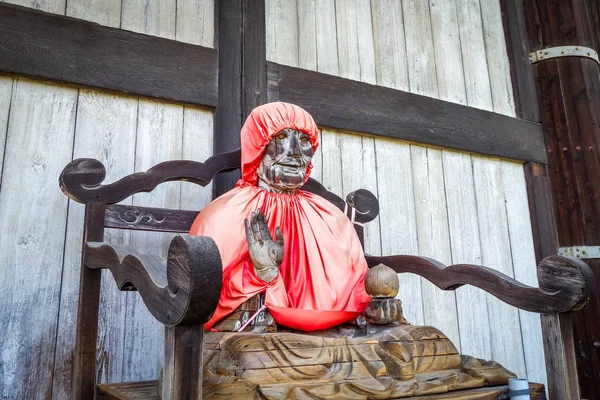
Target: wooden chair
[[183, 292]]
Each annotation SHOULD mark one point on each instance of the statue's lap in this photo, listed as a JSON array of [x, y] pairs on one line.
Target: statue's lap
[[377, 362]]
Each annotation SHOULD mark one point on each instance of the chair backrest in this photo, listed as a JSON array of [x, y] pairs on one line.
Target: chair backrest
[[81, 180]]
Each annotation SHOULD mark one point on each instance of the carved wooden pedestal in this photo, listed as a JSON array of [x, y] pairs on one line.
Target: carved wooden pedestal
[[385, 362]]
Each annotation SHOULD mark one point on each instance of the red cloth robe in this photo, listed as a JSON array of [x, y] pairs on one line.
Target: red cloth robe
[[321, 279]]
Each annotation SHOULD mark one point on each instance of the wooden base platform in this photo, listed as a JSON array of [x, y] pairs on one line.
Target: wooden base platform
[[146, 390]]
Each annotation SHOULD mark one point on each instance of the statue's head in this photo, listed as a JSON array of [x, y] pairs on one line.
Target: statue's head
[[285, 161], [278, 142]]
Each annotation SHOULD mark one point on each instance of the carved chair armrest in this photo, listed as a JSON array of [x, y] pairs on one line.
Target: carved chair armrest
[[81, 180], [183, 291], [565, 283]]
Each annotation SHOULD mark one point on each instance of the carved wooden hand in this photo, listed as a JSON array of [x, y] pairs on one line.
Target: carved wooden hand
[[266, 253], [384, 311]]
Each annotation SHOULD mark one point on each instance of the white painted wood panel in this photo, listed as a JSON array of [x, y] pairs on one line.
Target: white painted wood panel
[[197, 145], [152, 17], [105, 130], [105, 12], [505, 327], [51, 6], [33, 212], [307, 35], [391, 62], [433, 235], [6, 85], [196, 22], [398, 218], [471, 303], [189, 21], [282, 35], [159, 138]]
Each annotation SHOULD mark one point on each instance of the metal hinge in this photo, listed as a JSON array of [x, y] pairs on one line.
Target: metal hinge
[[563, 51], [581, 252]]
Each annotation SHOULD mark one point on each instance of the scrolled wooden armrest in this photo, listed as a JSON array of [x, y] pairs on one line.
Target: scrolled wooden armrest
[[81, 180], [184, 290], [565, 283]]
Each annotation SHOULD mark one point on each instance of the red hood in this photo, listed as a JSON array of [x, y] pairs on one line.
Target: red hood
[[263, 123]]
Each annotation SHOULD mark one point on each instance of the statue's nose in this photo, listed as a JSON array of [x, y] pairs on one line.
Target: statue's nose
[[294, 150]]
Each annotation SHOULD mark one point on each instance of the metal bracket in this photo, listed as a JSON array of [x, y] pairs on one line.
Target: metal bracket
[[581, 252], [563, 51]]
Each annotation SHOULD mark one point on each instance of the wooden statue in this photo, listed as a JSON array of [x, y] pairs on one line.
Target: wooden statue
[[293, 259], [279, 278]]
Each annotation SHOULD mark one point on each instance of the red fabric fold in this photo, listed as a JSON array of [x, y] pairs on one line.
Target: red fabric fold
[[321, 279]]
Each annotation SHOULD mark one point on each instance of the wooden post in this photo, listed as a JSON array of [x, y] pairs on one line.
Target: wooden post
[[564, 196], [182, 377], [242, 74], [84, 363]]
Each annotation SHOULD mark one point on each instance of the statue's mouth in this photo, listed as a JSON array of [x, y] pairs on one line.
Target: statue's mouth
[[290, 164]]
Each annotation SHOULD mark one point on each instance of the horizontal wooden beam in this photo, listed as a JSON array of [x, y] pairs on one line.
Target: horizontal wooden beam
[[57, 48], [345, 104]]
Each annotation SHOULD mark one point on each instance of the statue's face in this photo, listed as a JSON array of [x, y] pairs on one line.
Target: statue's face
[[284, 162]]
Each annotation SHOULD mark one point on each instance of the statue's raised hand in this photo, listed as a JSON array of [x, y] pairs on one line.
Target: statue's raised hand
[[266, 253]]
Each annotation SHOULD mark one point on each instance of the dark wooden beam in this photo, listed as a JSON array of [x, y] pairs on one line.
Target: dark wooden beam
[[67, 50], [345, 104], [254, 59], [228, 116], [84, 357], [568, 91], [242, 74]]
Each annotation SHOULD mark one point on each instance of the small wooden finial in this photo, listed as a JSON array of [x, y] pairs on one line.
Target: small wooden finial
[[381, 281]]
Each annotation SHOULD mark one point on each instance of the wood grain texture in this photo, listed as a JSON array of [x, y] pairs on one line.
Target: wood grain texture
[[51, 6], [196, 22], [183, 291], [159, 138], [39, 139], [254, 64], [438, 36], [105, 129], [156, 18], [389, 44], [282, 26], [307, 36], [107, 13], [6, 85], [471, 302], [332, 101], [507, 345], [565, 283], [524, 261], [84, 53], [567, 95], [83, 380], [197, 145], [433, 236], [81, 179], [228, 115], [183, 372], [398, 219]]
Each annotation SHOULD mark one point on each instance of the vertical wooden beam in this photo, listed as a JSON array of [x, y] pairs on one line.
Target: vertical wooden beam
[[84, 363], [228, 116], [564, 195], [183, 363], [254, 59], [242, 74]]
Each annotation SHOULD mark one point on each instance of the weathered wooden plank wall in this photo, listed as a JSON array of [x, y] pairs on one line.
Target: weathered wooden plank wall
[[42, 127], [450, 206]]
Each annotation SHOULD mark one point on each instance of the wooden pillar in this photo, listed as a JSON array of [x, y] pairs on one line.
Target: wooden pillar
[[84, 357], [242, 74], [565, 195]]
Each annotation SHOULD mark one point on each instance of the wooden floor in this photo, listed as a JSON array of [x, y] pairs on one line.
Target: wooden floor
[[146, 390]]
